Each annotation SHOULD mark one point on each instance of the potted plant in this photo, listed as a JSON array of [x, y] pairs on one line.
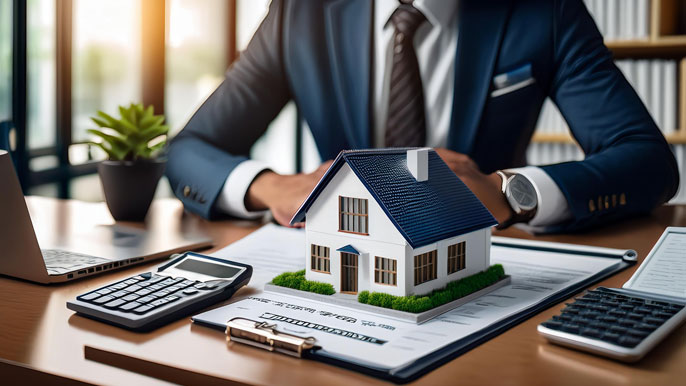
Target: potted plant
[[134, 144]]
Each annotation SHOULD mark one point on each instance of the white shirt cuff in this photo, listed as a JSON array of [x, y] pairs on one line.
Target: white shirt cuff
[[231, 200], [552, 204]]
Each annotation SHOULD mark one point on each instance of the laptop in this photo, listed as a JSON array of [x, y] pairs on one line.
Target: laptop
[[71, 251]]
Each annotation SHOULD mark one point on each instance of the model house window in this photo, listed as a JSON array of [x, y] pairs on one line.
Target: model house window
[[385, 271], [320, 258], [425, 267], [456, 257], [353, 215]]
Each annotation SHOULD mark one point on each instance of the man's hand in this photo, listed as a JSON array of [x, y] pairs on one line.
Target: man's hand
[[487, 187], [282, 194]]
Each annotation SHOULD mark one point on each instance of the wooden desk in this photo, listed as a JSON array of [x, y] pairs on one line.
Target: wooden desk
[[40, 339]]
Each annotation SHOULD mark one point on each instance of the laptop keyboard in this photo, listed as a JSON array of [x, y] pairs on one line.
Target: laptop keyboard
[[58, 262]]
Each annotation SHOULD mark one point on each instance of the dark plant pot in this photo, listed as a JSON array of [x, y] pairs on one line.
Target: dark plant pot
[[130, 186]]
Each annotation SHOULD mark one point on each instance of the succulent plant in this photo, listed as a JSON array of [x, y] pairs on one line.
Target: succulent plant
[[134, 136]]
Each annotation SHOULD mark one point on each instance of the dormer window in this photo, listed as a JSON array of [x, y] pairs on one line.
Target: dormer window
[[353, 215]]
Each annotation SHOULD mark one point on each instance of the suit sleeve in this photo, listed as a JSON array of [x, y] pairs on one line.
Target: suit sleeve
[[221, 132], [629, 168]]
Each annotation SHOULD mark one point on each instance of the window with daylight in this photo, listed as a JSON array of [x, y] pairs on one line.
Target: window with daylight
[[320, 259], [353, 216], [385, 271], [425, 268], [456, 257]]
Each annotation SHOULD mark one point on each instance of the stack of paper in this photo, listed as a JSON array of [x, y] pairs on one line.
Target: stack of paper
[[621, 19]]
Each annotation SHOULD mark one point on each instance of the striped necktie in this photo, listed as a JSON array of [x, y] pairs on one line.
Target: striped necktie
[[406, 125]]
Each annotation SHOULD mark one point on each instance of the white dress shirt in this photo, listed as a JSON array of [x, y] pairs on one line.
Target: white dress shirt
[[436, 44]]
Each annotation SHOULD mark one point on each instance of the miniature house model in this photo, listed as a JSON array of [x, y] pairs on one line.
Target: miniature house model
[[397, 221]]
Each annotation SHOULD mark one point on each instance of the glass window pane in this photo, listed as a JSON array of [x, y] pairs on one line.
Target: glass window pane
[[40, 54], [196, 55], [5, 60], [106, 59]]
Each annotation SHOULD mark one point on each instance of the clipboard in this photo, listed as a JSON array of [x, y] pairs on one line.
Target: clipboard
[[263, 335]]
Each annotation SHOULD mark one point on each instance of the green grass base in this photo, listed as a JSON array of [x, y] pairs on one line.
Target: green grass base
[[296, 280], [452, 291]]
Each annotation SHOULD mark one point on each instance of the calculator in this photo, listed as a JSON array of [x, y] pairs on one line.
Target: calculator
[[626, 323], [185, 285]]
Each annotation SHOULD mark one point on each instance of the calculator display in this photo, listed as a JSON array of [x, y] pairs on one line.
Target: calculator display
[[205, 268]]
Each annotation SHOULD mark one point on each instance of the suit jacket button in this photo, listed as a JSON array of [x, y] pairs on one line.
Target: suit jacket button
[[186, 191]]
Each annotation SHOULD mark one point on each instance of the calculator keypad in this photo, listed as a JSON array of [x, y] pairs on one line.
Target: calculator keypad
[[612, 317], [143, 293]]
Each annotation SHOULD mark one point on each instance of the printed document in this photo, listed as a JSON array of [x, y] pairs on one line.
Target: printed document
[[382, 342], [664, 272]]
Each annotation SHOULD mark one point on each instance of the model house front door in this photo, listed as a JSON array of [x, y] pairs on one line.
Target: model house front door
[[348, 272]]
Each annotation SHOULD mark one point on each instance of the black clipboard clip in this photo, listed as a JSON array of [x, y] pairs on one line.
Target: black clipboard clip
[[265, 336]]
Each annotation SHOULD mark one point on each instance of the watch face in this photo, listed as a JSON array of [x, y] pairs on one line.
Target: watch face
[[523, 193]]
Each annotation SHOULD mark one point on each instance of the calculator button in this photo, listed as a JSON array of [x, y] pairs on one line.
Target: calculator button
[[130, 281], [591, 332], [172, 298], [133, 288], [169, 281], [628, 341], [156, 279], [618, 329], [144, 276], [190, 291], [144, 292], [119, 286], [115, 303], [645, 327], [653, 320], [633, 315], [201, 286], [661, 314], [143, 309], [156, 287], [103, 299], [130, 297], [638, 333], [174, 288], [187, 283], [553, 324], [571, 328], [119, 294], [626, 322], [159, 302], [610, 336], [160, 294], [90, 296], [104, 291], [129, 306], [146, 299]]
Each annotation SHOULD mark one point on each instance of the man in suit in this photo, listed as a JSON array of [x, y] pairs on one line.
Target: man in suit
[[468, 79]]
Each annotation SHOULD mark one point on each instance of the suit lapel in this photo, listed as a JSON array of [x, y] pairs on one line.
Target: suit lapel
[[348, 32], [481, 28]]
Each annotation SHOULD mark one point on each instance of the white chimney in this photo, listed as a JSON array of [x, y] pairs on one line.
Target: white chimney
[[418, 163]]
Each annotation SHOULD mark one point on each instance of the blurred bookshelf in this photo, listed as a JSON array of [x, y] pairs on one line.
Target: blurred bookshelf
[[648, 41]]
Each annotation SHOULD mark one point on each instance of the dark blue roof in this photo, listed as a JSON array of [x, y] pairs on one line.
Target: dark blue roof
[[349, 249], [424, 212]]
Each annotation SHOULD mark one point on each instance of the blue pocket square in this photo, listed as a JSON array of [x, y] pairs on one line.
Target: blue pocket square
[[513, 80]]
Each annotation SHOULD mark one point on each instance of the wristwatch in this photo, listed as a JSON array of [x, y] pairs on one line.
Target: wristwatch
[[520, 194]]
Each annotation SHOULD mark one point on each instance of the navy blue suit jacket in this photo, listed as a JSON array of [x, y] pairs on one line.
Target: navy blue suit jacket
[[319, 53]]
